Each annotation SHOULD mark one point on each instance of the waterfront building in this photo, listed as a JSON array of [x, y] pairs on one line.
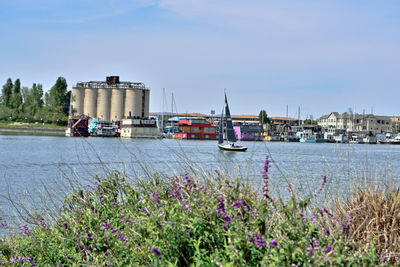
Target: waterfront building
[[356, 122], [196, 128], [139, 127], [285, 120], [249, 132], [111, 100]]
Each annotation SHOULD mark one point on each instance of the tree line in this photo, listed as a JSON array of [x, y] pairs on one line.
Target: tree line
[[21, 103]]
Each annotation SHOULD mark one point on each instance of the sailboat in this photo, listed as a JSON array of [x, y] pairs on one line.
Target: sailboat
[[226, 131]]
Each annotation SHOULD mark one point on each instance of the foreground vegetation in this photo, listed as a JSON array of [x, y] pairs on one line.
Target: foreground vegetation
[[180, 221]]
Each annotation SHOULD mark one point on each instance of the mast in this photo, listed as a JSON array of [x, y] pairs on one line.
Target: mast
[[287, 111], [162, 114]]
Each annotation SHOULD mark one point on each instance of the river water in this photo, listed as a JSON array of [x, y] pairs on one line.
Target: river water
[[34, 167]]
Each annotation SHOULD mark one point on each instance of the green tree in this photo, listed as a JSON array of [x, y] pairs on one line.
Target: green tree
[[263, 117], [58, 98], [6, 94], [17, 96], [37, 91]]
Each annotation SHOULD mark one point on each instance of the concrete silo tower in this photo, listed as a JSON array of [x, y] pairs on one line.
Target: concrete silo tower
[[111, 100]]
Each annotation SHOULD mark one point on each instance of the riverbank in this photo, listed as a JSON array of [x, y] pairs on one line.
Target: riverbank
[[20, 128]]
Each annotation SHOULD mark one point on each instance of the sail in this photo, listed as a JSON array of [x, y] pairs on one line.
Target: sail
[[221, 129], [230, 132]]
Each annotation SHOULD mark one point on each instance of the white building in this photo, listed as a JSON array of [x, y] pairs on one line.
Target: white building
[[356, 122]]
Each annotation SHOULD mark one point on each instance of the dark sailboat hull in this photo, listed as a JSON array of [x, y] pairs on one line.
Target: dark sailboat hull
[[229, 147]]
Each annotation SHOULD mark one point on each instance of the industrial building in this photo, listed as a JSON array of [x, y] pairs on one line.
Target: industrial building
[[111, 100]]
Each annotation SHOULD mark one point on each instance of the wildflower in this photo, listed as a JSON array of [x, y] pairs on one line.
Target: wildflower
[[114, 204], [243, 203], [350, 218], [257, 239], [315, 244], [2, 223], [24, 230], [323, 182], [273, 244], [160, 213], [313, 217], [347, 223], [222, 212], [328, 249], [327, 212], [310, 251], [43, 224], [156, 198], [327, 232], [175, 193], [264, 173], [187, 181], [157, 252], [146, 211]]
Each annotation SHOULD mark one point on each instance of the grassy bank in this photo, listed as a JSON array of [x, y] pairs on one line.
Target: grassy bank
[[31, 128], [182, 221]]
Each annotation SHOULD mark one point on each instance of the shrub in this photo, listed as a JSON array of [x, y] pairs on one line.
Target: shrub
[[178, 221]]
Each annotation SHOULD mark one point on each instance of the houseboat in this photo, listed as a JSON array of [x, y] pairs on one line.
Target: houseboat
[[77, 126], [196, 128], [139, 128], [249, 132], [100, 127]]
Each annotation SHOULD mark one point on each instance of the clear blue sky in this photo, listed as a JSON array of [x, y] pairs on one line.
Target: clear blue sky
[[324, 55]]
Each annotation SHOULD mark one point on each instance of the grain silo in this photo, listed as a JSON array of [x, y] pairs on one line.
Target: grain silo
[[111, 99], [77, 100], [117, 104], [130, 104], [90, 102], [146, 104], [104, 103]]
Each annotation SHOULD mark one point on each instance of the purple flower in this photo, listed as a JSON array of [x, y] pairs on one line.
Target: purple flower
[[350, 218], [328, 249], [114, 204], [157, 252], [24, 230], [257, 239], [313, 217], [273, 244], [323, 182], [187, 181], [174, 192], [310, 251], [264, 173], [315, 244], [327, 212], [222, 212], [327, 232], [2, 223], [146, 211], [43, 224], [156, 198]]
